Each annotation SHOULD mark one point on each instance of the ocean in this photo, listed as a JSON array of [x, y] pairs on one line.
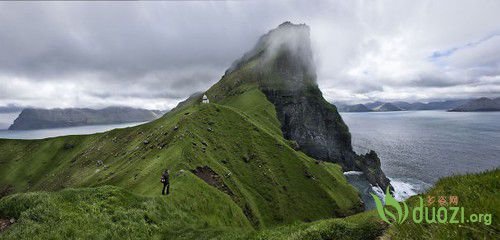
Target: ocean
[[416, 148]]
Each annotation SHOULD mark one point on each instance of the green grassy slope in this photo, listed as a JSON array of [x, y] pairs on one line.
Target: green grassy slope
[[366, 225], [269, 182], [477, 193], [113, 213]]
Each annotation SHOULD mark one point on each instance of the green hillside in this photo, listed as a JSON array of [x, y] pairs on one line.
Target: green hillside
[[259, 179], [114, 213]]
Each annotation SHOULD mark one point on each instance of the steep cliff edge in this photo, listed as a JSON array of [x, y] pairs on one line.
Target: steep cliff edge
[[281, 65]]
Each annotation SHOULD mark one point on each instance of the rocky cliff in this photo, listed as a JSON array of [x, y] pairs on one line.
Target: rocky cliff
[[282, 66], [32, 118]]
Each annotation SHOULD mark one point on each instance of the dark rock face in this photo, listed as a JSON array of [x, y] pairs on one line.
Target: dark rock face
[[31, 118], [314, 125], [321, 133], [370, 165]]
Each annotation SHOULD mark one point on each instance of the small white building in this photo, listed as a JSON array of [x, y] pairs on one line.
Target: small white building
[[205, 99]]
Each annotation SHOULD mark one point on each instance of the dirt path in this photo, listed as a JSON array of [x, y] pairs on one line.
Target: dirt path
[[209, 176], [4, 224]]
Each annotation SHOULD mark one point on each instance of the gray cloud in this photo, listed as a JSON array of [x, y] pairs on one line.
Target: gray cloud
[[153, 54]]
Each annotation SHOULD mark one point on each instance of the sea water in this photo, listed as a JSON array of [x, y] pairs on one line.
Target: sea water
[[416, 148]]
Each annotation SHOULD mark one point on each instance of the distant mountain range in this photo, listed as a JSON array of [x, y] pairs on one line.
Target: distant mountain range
[[353, 108], [387, 107], [479, 105], [35, 118], [460, 105]]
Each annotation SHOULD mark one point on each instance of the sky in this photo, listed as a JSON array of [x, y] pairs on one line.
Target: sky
[[155, 54]]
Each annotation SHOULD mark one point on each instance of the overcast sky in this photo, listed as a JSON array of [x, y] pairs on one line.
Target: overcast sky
[[154, 54]]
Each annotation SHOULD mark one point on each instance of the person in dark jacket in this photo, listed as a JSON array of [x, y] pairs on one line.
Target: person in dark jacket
[[166, 182]]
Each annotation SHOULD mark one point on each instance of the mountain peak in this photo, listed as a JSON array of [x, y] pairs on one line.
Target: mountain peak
[[289, 26], [284, 52]]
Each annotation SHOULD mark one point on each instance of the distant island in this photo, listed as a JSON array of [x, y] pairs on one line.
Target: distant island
[[35, 118], [479, 105], [460, 105]]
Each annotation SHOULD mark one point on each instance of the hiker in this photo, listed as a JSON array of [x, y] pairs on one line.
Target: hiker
[[165, 180]]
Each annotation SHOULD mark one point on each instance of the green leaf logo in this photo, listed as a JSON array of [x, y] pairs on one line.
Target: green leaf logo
[[398, 216]]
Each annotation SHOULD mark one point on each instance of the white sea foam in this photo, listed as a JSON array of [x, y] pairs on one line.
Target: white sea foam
[[379, 192], [402, 190], [405, 189]]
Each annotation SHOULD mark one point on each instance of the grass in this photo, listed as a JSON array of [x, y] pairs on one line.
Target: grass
[[360, 226], [477, 193], [110, 212]]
